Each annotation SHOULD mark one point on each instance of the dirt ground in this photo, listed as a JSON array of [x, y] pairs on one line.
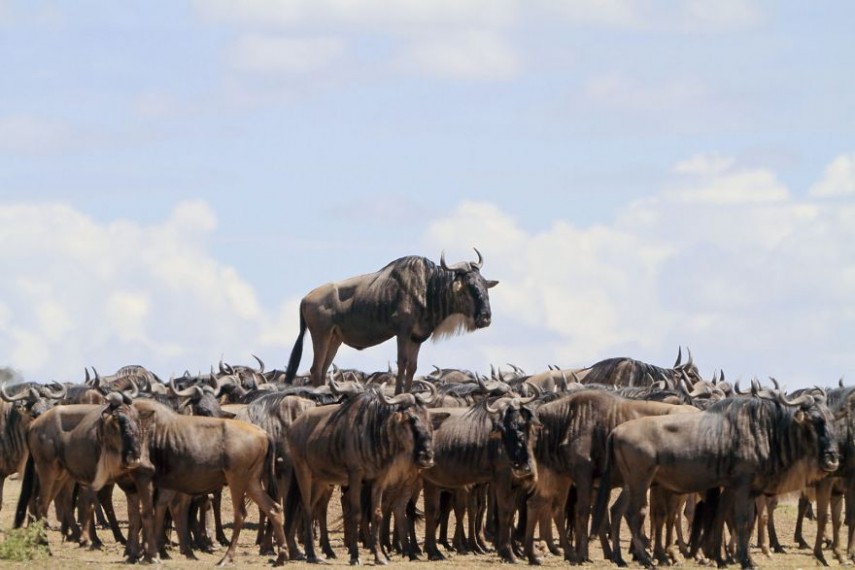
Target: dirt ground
[[72, 557]]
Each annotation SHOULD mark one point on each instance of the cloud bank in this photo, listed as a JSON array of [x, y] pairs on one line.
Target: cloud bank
[[724, 258]]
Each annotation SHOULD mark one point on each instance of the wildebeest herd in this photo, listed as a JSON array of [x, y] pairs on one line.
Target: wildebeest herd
[[697, 464]]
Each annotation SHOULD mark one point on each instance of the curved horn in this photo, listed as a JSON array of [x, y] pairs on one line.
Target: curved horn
[[461, 267], [22, 395], [481, 383], [133, 392], [260, 364], [840, 382], [775, 383], [689, 362], [480, 263], [96, 382], [181, 393], [535, 390], [225, 368], [405, 399], [803, 399], [87, 380], [679, 357], [504, 401], [430, 399], [738, 391], [114, 399], [59, 394]]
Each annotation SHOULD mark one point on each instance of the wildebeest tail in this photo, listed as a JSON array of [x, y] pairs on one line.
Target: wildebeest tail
[[297, 351], [293, 504], [29, 487], [270, 469], [604, 492]]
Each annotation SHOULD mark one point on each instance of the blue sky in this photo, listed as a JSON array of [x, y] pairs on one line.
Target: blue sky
[[174, 176]]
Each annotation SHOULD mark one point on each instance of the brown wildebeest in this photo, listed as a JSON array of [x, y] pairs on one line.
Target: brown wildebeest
[[410, 299], [370, 439], [745, 446]]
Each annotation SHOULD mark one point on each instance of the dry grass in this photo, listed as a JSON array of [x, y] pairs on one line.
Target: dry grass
[[71, 557]]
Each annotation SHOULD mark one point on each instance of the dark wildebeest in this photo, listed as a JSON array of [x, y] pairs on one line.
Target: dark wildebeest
[[630, 372], [18, 408], [572, 451], [274, 413], [491, 442], [369, 438], [745, 446], [410, 299], [91, 444]]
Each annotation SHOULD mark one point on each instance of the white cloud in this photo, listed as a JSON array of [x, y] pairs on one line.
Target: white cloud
[[731, 264], [478, 55], [660, 15], [276, 54], [33, 135], [386, 15], [838, 178], [78, 292]]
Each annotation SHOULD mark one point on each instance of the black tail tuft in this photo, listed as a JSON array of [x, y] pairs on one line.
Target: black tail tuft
[[29, 487], [297, 351], [604, 492]]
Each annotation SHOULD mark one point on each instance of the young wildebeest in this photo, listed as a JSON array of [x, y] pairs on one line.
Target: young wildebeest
[[491, 442], [368, 438], [196, 455], [746, 446], [410, 299]]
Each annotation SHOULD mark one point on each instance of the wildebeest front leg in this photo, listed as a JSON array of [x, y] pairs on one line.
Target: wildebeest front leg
[[431, 504], [823, 495], [408, 356], [324, 347], [353, 514]]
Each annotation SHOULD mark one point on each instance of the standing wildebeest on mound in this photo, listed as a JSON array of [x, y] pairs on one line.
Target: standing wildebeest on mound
[[411, 299], [746, 446]]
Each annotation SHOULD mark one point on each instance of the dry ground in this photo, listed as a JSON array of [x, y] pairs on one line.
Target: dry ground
[[71, 557]]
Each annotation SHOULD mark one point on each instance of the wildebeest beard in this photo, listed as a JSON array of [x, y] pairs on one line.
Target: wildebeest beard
[[130, 435], [454, 313]]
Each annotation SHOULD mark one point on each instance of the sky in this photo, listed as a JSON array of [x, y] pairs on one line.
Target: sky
[[639, 176]]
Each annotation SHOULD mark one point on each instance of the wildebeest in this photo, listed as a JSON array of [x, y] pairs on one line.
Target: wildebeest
[[195, 455], [631, 372], [491, 442], [91, 444], [18, 408], [572, 451], [410, 299], [745, 446], [369, 438]]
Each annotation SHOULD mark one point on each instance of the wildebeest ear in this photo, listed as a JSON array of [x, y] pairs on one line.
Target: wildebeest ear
[[491, 284], [436, 419], [496, 433], [799, 416], [457, 286], [227, 415]]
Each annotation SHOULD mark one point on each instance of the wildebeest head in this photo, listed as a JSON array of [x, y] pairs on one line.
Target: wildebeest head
[[469, 288], [120, 429], [517, 427], [33, 402], [818, 422], [411, 425]]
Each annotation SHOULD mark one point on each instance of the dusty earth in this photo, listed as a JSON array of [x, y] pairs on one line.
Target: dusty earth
[[71, 557]]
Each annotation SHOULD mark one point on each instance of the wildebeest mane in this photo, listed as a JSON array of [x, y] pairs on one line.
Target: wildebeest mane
[[365, 414], [764, 429]]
